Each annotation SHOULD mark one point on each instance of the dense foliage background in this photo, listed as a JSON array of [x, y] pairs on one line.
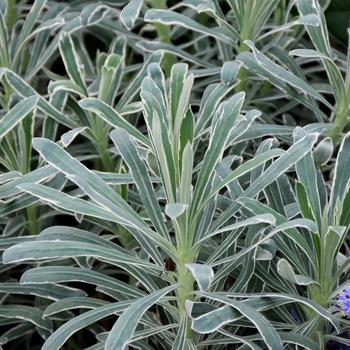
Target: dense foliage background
[[174, 175]]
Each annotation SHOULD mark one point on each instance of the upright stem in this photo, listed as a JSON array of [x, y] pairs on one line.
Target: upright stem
[[33, 225], [342, 106], [243, 73], [107, 163], [164, 36], [7, 92], [320, 293], [185, 281], [106, 159], [101, 143], [340, 121], [12, 14], [31, 211], [185, 255]]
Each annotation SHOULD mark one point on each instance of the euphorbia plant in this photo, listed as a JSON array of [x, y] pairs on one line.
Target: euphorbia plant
[[175, 211], [266, 36], [313, 262]]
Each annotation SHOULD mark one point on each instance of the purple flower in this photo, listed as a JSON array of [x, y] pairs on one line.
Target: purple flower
[[294, 314], [344, 299]]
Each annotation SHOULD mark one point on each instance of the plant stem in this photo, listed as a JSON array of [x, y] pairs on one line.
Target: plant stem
[[33, 225], [12, 14], [340, 122], [163, 33], [321, 292], [107, 163], [318, 295], [106, 158], [7, 92], [31, 211], [185, 281], [101, 143], [243, 73]]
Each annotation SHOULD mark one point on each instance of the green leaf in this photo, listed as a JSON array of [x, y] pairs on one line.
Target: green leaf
[[122, 331], [103, 195], [303, 201], [40, 277], [92, 14], [42, 250], [71, 61], [334, 238], [345, 214], [267, 331], [186, 134], [279, 76], [252, 16], [180, 340], [64, 201], [173, 18], [26, 313], [319, 37], [25, 90], [244, 169], [175, 210], [165, 157], [318, 34], [112, 117], [214, 320], [306, 171], [227, 120], [130, 12], [200, 5], [304, 223], [287, 272], [10, 175], [60, 336], [203, 275], [135, 84], [4, 43], [139, 172], [65, 86], [180, 90], [48, 291], [229, 72], [341, 177], [299, 339], [258, 208], [323, 151], [68, 304], [51, 25], [111, 76], [255, 220], [68, 137], [20, 111], [276, 169], [30, 21], [212, 96], [186, 175], [153, 46], [286, 298], [17, 332], [153, 96]]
